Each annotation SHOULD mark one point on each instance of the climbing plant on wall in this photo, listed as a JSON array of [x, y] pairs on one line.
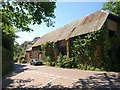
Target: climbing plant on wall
[[92, 51], [48, 51], [83, 48]]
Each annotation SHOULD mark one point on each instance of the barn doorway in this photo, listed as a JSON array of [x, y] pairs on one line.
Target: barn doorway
[[62, 47]]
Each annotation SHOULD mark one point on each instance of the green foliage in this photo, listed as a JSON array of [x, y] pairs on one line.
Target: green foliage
[[21, 49], [105, 44], [112, 6], [8, 39], [50, 61], [48, 51], [18, 15], [17, 51], [72, 62], [84, 52], [83, 49], [114, 53], [21, 14], [62, 61], [7, 64], [7, 52], [88, 67]]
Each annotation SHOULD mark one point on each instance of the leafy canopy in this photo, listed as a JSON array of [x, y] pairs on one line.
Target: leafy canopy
[[21, 14], [112, 6]]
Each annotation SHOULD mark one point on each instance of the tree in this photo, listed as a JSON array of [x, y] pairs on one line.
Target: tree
[[17, 16], [112, 6], [21, 14]]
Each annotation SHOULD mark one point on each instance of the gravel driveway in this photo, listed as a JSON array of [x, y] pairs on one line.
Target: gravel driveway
[[46, 77]]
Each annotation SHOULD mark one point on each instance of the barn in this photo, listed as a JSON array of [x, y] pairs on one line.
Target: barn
[[83, 26]]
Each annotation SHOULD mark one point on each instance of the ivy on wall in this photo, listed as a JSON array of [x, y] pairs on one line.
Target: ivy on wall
[[48, 51], [83, 48], [92, 51]]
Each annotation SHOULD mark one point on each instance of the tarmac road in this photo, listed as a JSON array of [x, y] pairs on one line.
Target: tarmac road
[[27, 76]]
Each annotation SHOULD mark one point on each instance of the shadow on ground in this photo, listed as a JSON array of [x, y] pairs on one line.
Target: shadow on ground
[[101, 81], [18, 69]]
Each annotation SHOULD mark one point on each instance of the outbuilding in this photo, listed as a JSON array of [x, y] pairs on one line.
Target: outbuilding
[[83, 26]]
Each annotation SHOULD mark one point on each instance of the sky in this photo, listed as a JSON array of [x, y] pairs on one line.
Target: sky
[[65, 13]]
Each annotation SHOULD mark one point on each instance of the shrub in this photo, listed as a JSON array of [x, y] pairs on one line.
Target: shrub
[[92, 68], [61, 61], [88, 67], [7, 62], [50, 61], [73, 62], [97, 69], [48, 51]]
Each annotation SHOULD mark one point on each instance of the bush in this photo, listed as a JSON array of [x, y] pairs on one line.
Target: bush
[[73, 62], [50, 61], [97, 69], [48, 51], [88, 67], [62, 61], [92, 68], [7, 61]]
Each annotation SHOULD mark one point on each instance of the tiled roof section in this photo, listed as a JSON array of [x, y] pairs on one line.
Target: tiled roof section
[[85, 25]]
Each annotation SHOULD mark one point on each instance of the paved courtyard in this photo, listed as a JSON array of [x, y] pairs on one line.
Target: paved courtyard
[[46, 77]]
